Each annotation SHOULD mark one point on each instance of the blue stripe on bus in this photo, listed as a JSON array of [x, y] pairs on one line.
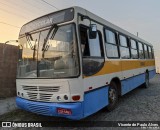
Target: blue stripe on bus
[[131, 83], [50, 109], [93, 100], [134, 82], [152, 74]]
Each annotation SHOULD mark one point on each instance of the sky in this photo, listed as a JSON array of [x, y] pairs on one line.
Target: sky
[[142, 16]]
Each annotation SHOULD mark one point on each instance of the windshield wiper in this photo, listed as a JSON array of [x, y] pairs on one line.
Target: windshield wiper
[[45, 46], [29, 39], [33, 47]]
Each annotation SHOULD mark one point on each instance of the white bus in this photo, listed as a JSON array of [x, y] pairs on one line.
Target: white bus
[[73, 63]]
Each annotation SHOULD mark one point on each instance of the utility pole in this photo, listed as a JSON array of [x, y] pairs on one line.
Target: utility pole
[[137, 34]]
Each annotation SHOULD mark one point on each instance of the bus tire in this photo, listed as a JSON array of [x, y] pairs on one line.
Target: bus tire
[[146, 83], [112, 96]]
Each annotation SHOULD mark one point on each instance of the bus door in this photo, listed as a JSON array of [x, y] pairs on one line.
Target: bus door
[[92, 53]]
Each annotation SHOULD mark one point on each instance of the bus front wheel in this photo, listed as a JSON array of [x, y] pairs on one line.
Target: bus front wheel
[[112, 96]]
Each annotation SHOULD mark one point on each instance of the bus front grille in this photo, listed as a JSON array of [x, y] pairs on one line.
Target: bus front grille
[[39, 109], [42, 88], [39, 96], [40, 93]]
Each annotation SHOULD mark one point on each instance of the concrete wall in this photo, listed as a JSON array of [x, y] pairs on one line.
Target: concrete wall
[[8, 65]]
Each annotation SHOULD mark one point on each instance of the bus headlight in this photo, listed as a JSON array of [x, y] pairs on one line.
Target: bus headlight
[[65, 97], [58, 98]]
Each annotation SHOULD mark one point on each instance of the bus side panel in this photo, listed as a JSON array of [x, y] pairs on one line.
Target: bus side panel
[[95, 100], [132, 83], [152, 74]]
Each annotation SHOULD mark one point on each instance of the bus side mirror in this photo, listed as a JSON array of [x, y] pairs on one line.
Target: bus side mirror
[[93, 31]]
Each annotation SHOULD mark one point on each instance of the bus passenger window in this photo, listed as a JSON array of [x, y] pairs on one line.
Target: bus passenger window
[[146, 51], [124, 49], [134, 49], [141, 51], [111, 44], [150, 52]]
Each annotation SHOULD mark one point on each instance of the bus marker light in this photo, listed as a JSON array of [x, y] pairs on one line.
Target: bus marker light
[[76, 97], [64, 111], [90, 88]]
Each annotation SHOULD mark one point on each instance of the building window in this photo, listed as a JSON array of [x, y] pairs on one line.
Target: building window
[[111, 44], [124, 49]]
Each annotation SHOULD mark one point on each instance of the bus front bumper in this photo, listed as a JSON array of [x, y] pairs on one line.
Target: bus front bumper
[[52, 109]]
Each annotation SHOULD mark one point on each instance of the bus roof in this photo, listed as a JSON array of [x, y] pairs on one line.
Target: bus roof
[[99, 20], [108, 24]]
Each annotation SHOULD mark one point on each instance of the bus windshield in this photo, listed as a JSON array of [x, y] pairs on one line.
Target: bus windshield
[[50, 53]]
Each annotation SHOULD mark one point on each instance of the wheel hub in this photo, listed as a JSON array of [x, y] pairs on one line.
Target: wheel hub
[[112, 95]]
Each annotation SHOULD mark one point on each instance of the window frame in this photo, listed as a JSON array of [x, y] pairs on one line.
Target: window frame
[[118, 32], [152, 51], [91, 57], [100, 40], [145, 51], [134, 48], [128, 44], [78, 54], [116, 40], [142, 49]]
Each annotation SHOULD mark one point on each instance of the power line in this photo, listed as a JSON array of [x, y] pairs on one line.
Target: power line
[[23, 7], [50, 4], [35, 6], [14, 7], [13, 13], [9, 24]]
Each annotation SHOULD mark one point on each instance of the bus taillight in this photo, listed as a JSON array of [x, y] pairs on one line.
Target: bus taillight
[[76, 97]]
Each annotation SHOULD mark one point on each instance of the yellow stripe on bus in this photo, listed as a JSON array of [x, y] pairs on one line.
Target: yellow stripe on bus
[[117, 66]]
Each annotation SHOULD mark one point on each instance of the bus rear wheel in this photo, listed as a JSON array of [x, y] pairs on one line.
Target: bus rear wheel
[[146, 84], [112, 96]]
